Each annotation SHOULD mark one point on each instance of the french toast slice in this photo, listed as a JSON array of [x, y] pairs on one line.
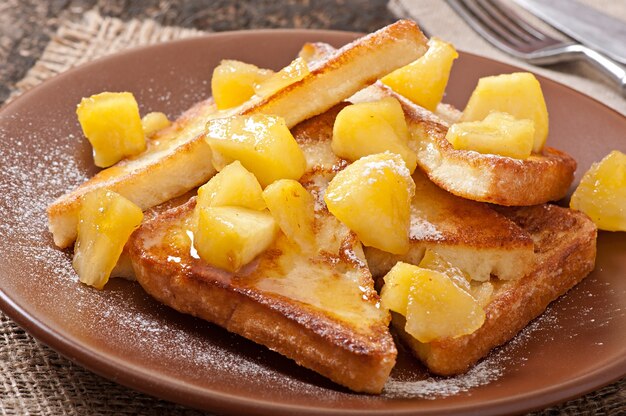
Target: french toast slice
[[338, 75], [319, 309], [470, 234], [480, 177], [542, 250], [565, 249], [180, 158]]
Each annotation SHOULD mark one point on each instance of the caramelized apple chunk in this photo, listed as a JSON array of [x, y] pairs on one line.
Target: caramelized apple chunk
[[263, 144], [111, 123], [234, 82], [231, 237], [424, 80], [481, 291], [518, 94], [232, 186], [153, 122], [435, 308], [292, 207], [368, 128], [601, 193], [293, 72], [436, 262], [372, 197], [106, 221], [394, 294], [498, 134], [438, 308]]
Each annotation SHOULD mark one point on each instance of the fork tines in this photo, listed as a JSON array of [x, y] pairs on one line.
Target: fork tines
[[501, 26]]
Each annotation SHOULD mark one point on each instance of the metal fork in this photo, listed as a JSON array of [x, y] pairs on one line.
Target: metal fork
[[506, 30]]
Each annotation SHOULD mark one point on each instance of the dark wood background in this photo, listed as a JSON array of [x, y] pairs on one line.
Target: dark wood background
[[27, 25]]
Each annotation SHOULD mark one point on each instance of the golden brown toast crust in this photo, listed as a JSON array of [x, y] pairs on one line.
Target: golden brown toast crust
[[359, 357], [476, 176], [349, 69], [565, 245]]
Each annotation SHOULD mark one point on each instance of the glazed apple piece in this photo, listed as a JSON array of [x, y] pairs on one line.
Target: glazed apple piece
[[232, 186], [481, 291], [111, 123], [292, 206], [230, 237], [424, 81], [372, 196], [518, 94], [234, 82], [374, 127], [435, 307], [601, 193], [153, 122], [263, 144], [498, 134], [106, 221], [436, 262]]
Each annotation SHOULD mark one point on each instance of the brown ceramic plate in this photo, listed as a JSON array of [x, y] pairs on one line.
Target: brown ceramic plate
[[579, 344]]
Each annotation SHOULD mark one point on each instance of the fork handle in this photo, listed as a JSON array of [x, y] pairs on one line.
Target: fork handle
[[610, 68]]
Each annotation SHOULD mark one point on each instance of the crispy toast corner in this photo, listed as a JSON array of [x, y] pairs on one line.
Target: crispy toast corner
[[321, 311]]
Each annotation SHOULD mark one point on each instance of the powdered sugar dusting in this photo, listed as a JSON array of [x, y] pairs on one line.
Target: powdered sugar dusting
[[193, 347], [374, 166], [34, 173], [436, 387], [423, 230], [488, 370]]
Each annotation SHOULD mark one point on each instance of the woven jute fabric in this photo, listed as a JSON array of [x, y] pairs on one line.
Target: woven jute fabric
[[95, 36], [36, 380]]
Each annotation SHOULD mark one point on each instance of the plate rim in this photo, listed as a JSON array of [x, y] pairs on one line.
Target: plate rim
[[137, 377]]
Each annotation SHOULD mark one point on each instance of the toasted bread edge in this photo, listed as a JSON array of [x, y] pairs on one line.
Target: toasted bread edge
[[558, 270]]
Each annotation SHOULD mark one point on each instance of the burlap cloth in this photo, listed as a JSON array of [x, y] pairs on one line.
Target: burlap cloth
[[36, 380]]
